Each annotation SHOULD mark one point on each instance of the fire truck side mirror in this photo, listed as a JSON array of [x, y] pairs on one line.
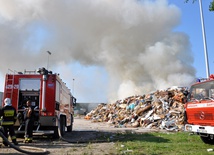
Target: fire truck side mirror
[[186, 93], [74, 101]]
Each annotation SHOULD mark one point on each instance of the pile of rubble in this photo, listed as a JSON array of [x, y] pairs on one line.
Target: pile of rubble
[[159, 110]]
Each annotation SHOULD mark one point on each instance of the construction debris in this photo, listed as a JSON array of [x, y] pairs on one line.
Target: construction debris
[[163, 109]]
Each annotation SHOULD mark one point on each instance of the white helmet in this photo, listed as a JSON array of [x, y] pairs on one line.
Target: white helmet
[[7, 102]]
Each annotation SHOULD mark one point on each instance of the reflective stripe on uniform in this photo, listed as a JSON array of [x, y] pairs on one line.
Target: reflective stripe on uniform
[[13, 137], [7, 123], [8, 113], [28, 139]]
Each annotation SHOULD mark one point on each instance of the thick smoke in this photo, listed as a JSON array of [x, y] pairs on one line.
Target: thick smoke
[[132, 40]]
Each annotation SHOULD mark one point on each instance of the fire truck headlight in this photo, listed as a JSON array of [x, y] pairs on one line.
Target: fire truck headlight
[[188, 128]]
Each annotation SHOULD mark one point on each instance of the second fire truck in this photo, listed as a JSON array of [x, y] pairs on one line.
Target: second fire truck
[[200, 109]]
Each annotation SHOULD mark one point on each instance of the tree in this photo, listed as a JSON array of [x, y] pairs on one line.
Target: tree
[[211, 6]]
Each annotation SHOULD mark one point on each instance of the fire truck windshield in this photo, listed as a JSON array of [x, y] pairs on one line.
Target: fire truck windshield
[[203, 90]]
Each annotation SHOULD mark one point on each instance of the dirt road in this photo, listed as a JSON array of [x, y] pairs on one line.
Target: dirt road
[[84, 139], [81, 124]]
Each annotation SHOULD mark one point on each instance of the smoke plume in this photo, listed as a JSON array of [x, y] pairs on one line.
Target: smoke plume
[[132, 42]]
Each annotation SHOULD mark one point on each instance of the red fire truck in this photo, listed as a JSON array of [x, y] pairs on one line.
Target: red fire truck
[[52, 100], [200, 110]]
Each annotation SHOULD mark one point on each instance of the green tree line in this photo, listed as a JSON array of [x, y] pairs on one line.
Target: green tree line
[[211, 6]]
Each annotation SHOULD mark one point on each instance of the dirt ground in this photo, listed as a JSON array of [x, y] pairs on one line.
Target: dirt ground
[[87, 138]]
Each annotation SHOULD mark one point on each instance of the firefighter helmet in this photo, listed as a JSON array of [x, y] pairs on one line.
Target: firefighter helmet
[[7, 102]]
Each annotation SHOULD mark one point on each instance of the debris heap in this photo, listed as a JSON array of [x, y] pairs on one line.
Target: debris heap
[[163, 109]]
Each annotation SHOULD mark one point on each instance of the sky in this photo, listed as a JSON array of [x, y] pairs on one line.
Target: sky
[[105, 50], [192, 26]]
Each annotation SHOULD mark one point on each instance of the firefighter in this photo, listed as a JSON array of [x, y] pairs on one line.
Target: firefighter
[[29, 122], [9, 116]]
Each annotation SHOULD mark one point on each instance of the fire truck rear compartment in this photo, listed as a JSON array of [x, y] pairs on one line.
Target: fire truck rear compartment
[[41, 124]]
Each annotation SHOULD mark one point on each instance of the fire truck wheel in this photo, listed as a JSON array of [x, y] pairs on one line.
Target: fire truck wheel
[[62, 125], [56, 133], [207, 140], [70, 127]]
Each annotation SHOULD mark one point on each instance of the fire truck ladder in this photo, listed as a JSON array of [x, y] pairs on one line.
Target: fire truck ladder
[[10, 80]]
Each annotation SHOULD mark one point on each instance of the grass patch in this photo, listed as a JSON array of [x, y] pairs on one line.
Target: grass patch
[[178, 143]]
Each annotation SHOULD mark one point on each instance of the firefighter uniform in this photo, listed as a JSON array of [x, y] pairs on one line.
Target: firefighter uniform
[[8, 115], [29, 123]]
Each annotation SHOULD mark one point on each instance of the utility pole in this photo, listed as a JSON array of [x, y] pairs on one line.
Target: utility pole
[[204, 40], [49, 53], [73, 87]]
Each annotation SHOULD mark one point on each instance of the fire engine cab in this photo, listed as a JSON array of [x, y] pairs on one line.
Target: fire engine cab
[[199, 109], [52, 101]]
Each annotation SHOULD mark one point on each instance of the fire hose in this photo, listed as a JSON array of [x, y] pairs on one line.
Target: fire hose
[[72, 141], [18, 148], [44, 152], [64, 139]]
